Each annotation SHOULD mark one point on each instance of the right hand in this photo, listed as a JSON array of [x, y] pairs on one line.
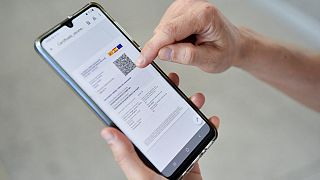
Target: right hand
[[217, 43]]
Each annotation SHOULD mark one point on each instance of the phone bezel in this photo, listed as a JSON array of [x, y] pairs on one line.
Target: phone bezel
[[197, 152]]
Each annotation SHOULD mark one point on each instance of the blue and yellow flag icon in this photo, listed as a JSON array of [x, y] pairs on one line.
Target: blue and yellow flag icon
[[115, 49]]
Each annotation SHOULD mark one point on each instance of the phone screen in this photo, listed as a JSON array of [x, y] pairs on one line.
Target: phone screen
[[140, 102]]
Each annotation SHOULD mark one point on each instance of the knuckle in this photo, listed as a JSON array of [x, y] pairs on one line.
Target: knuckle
[[204, 15], [209, 8], [208, 11]]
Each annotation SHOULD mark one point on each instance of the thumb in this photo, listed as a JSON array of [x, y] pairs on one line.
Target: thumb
[[125, 155], [186, 53]]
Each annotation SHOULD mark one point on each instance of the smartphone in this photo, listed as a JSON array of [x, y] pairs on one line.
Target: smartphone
[[96, 57]]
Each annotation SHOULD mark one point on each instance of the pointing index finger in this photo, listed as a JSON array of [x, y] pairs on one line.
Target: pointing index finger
[[177, 29]]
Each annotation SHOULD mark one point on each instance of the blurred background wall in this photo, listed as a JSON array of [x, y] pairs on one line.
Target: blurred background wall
[[46, 132]]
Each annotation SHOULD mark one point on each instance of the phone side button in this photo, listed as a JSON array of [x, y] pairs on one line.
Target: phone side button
[[202, 153], [135, 43], [209, 145]]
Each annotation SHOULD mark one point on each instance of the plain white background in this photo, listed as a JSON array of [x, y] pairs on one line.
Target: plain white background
[[46, 132]]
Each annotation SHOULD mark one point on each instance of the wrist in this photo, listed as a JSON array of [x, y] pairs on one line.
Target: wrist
[[248, 42]]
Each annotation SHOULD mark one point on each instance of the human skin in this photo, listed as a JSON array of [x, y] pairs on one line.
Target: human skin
[[218, 45], [194, 32], [127, 158], [294, 71]]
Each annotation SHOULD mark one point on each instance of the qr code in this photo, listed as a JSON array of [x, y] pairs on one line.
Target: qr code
[[124, 64]]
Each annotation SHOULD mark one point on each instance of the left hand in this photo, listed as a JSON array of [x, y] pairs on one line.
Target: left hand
[[127, 158]]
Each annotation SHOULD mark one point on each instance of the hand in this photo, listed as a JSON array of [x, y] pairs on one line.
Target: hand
[[127, 158], [215, 43]]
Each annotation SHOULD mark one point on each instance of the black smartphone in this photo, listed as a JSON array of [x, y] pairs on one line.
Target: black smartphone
[[95, 56]]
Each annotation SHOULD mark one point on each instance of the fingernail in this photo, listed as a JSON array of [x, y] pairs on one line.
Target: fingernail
[[140, 61], [165, 54], [107, 136]]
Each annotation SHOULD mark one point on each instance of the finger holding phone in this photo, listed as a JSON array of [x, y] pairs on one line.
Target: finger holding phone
[[96, 57], [127, 158]]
